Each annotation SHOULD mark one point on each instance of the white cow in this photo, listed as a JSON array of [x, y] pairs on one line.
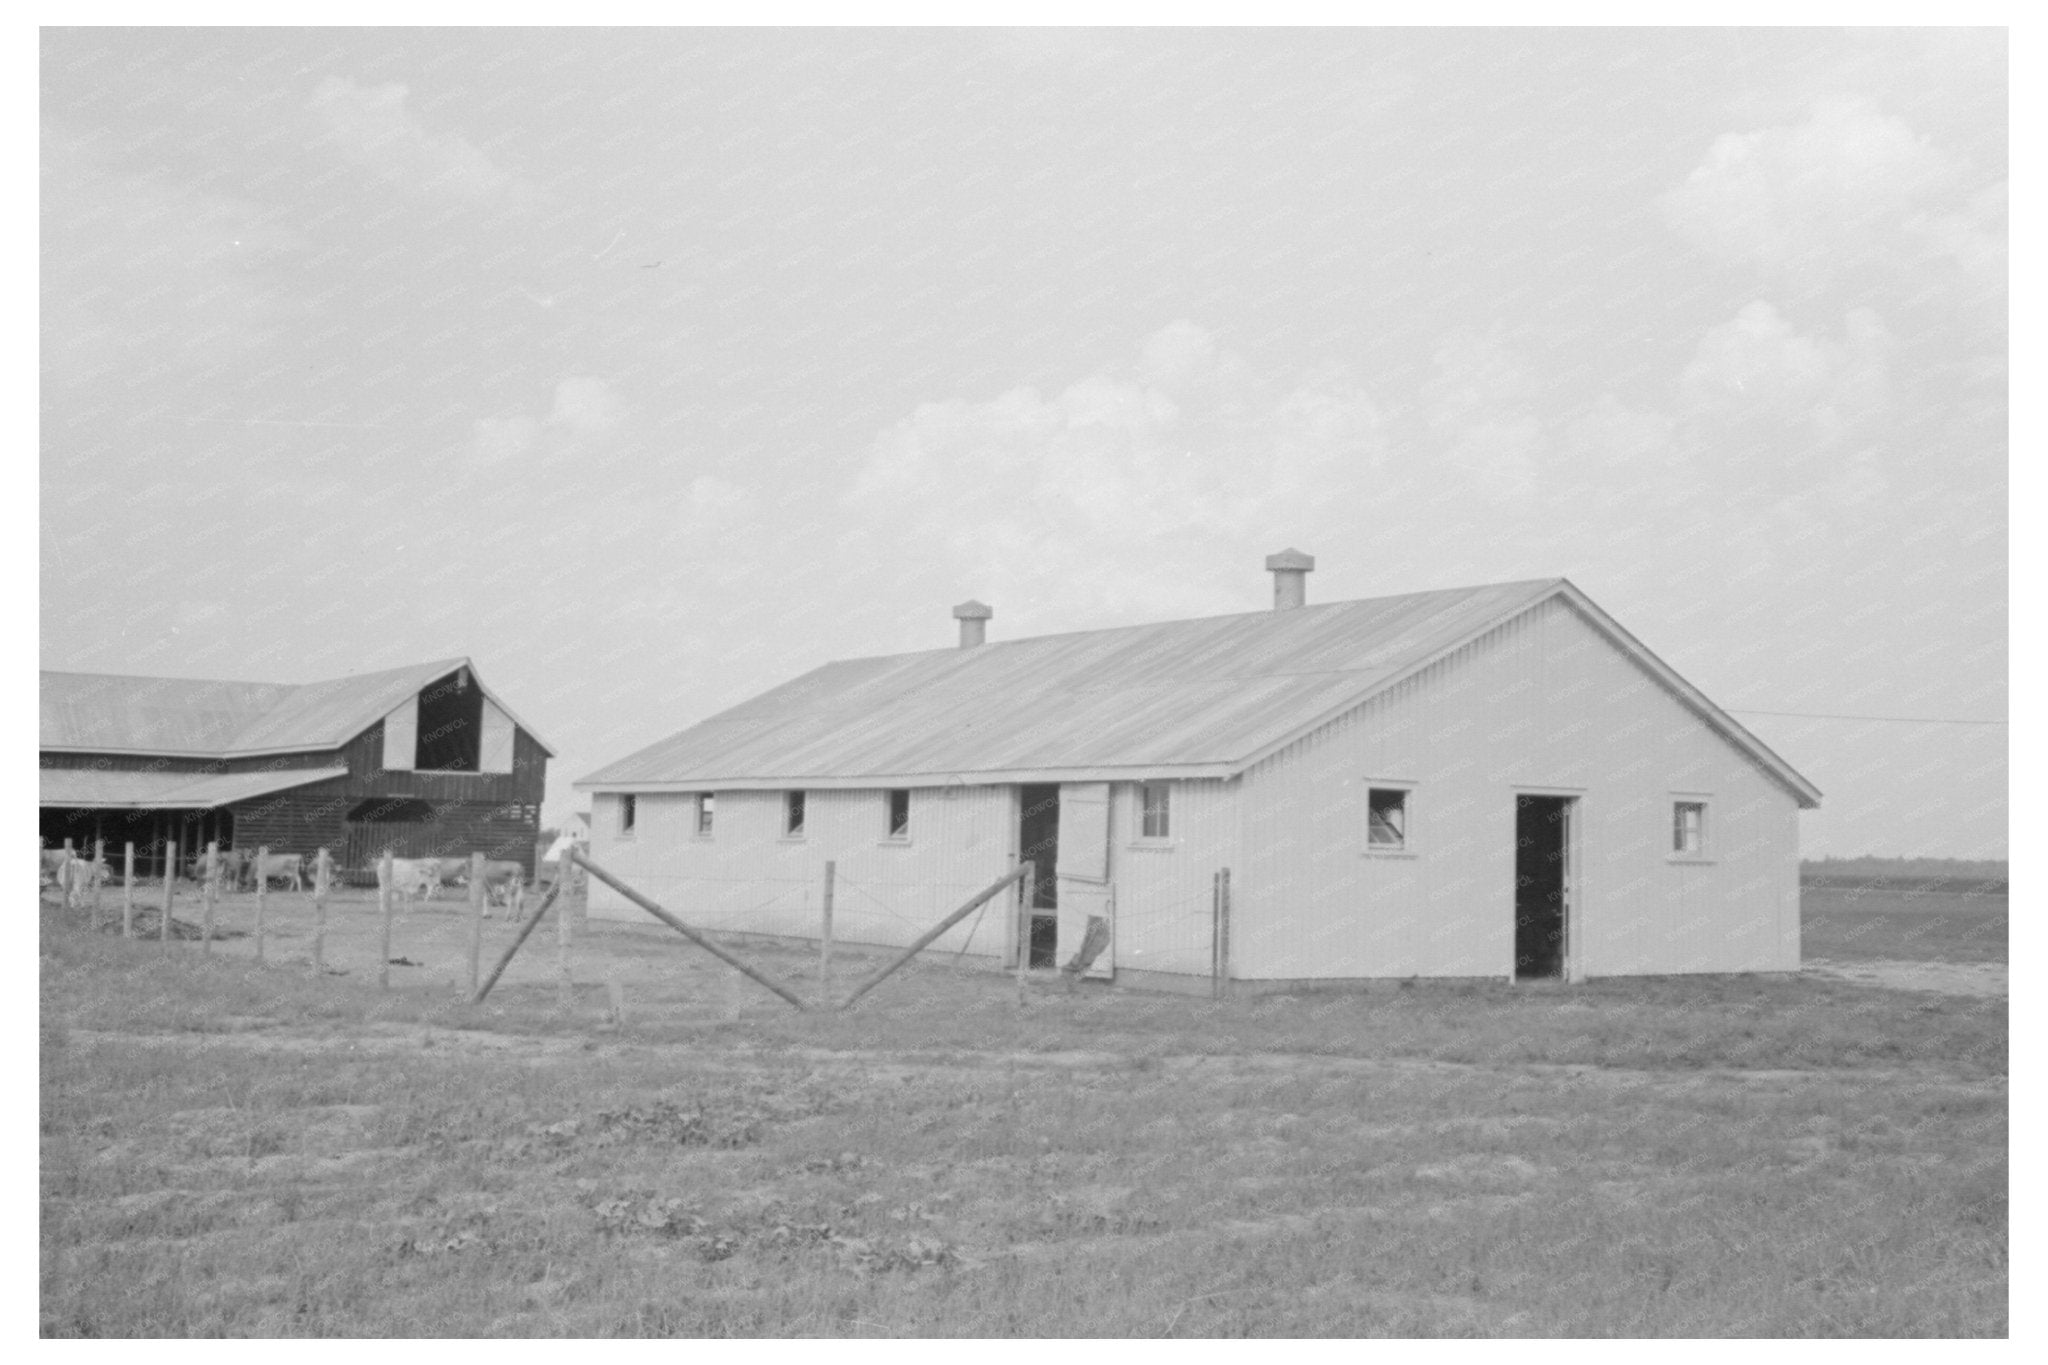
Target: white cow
[[502, 880], [291, 865], [415, 877], [80, 878], [54, 861]]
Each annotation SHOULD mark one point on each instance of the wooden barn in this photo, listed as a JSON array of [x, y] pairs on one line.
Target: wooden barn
[[423, 760], [1495, 781]]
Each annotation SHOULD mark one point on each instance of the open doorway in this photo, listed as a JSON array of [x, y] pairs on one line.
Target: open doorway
[[1543, 841], [1038, 842]]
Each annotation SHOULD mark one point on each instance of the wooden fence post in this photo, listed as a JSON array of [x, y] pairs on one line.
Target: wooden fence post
[[825, 936], [209, 887], [384, 913], [1030, 885], [1220, 986], [323, 871], [479, 900], [128, 891], [564, 936], [262, 895], [99, 860], [170, 877]]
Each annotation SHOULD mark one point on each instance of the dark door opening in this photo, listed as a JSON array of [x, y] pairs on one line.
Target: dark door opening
[[1038, 843], [1542, 884]]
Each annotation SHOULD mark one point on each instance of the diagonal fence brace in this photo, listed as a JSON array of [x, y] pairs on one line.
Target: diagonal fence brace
[[524, 930], [973, 903], [685, 930]]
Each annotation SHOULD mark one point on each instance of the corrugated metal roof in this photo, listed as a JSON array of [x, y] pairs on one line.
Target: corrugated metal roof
[[88, 788], [114, 713], [1203, 696]]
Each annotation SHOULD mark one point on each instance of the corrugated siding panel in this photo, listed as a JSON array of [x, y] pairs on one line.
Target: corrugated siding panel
[[747, 877], [1164, 916], [1543, 701]]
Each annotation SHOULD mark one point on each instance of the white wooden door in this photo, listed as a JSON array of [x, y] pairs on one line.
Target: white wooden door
[[1084, 871]]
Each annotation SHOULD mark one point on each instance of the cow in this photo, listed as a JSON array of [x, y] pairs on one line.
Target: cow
[[290, 865], [449, 872], [54, 859], [415, 877], [227, 864], [81, 877], [502, 881]]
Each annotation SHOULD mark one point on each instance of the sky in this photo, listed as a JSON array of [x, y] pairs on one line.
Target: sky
[[649, 369]]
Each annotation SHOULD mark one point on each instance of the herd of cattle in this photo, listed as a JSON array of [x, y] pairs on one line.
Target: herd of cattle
[[237, 869]]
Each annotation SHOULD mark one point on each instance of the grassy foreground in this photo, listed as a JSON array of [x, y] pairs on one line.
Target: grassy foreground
[[237, 1149]]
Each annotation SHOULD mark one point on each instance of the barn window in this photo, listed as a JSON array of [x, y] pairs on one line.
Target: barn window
[[1386, 819], [706, 804], [1688, 828], [627, 813], [899, 813], [450, 724], [1155, 803], [793, 814]]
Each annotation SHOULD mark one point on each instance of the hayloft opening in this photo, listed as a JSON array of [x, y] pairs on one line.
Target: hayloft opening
[[1542, 884], [451, 725], [1038, 843], [404, 826]]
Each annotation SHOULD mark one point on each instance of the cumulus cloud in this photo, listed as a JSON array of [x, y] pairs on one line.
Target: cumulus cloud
[[585, 406], [1757, 365], [586, 410], [371, 126], [1794, 198], [1172, 460]]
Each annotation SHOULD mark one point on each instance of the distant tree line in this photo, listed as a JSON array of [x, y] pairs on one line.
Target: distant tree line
[[1907, 874]]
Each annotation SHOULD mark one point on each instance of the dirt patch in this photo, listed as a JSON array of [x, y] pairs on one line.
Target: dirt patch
[[1979, 979]]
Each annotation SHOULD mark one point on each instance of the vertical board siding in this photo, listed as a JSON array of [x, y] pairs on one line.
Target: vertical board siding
[[1164, 917], [1544, 702], [748, 877]]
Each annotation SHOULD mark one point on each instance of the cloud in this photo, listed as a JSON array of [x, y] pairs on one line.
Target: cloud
[[371, 126], [1020, 493], [1791, 198], [586, 410], [1757, 366], [585, 407]]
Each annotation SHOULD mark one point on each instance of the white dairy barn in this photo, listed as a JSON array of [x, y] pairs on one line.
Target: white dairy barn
[[1494, 781]]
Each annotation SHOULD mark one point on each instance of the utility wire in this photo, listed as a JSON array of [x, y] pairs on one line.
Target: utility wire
[[1830, 715]]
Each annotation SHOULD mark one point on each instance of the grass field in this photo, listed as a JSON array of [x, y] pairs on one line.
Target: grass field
[[1858, 925], [237, 1149]]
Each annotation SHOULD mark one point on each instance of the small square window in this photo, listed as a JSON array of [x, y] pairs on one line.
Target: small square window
[[627, 813], [1386, 819], [706, 808], [1156, 810], [1689, 828], [793, 814], [899, 814]]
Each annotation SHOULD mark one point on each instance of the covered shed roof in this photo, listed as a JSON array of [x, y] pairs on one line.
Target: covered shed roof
[[111, 789], [1201, 698], [207, 718]]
